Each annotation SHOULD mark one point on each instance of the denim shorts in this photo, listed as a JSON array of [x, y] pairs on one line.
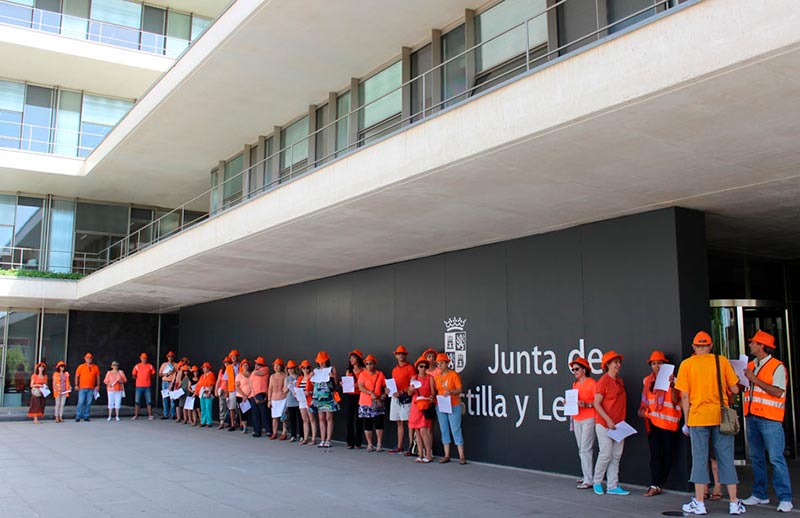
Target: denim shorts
[[723, 447], [143, 392]]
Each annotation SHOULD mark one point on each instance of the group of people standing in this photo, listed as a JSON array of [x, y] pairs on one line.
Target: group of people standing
[[703, 387]]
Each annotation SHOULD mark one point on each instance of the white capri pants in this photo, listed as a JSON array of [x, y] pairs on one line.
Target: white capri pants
[[115, 399]]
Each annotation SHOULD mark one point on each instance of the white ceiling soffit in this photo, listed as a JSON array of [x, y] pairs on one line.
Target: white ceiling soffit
[[207, 8], [261, 64]]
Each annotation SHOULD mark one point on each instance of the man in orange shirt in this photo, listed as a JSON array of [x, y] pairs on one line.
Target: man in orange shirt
[[400, 407], [87, 379], [143, 372]]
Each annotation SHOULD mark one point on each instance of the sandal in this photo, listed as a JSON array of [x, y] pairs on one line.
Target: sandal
[[444, 460], [370, 448], [418, 459], [653, 491], [714, 497], [426, 460], [462, 461]]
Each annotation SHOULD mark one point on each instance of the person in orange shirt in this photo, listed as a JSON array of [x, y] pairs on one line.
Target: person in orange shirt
[[244, 390], [87, 379], [355, 426], [114, 381], [143, 373], [448, 383], [277, 391], [61, 389], [261, 382], [400, 407], [205, 391], [583, 422], [371, 405], [38, 380], [610, 401]]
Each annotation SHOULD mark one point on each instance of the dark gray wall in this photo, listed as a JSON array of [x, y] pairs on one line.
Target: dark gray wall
[[632, 284]]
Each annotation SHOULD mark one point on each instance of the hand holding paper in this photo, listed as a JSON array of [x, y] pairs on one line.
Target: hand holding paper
[[444, 404], [664, 373], [391, 386], [571, 404], [348, 384], [622, 431]]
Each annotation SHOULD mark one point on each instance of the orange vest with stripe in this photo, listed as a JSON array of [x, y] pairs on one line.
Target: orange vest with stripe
[[663, 414], [756, 399], [231, 379]]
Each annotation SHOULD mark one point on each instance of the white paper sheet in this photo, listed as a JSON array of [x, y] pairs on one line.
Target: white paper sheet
[[277, 407], [348, 384], [45, 391], [300, 394], [165, 393], [96, 394], [189, 404], [623, 430], [571, 404], [245, 405], [739, 367], [444, 404], [416, 384], [662, 380], [391, 386], [176, 394], [321, 375]]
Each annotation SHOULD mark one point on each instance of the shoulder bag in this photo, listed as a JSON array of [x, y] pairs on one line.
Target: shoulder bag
[[729, 419]]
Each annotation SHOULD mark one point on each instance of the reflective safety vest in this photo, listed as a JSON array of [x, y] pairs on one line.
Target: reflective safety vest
[[756, 399], [659, 408]]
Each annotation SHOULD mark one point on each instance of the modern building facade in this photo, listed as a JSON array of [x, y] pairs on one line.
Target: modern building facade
[[515, 181]]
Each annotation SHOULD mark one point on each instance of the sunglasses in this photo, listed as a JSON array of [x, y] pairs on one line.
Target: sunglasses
[[421, 366], [576, 369], [369, 363]]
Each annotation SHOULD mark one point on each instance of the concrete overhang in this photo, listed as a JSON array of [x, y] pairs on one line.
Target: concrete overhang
[[687, 111]]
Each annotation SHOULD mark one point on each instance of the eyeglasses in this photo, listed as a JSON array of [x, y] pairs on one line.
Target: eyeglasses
[[369, 363], [422, 366], [576, 369]]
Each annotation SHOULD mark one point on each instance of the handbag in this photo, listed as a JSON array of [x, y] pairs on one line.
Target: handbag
[[729, 419], [36, 392]]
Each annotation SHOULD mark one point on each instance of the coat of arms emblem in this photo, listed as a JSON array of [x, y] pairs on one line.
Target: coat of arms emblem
[[455, 342]]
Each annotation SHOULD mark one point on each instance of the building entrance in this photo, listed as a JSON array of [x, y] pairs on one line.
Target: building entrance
[[733, 323]]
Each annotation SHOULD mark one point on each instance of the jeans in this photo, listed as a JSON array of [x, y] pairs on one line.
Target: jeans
[[450, 423], [584, 436], [608, 456], [143, 393], [260, 414], [169, 405], [723, 447], [85, 398], [766, 436], [205, 410]]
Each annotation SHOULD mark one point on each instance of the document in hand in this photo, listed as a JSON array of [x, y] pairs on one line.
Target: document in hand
[[165, 393], [391, 386], [571, 404], [348, 384], [300, 394], [189, 403], [444, 404], [623, 430], [416, 384], [176, 394], [245, 405], [739, 367], [662, 380], [277, 407], [321, 375], [45, 391], [96, 394]]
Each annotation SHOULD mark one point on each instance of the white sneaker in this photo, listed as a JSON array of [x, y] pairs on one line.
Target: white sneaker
[[117, 418], [754, 500], [694, 507], [785, 507], [736, 507], [109, 418]]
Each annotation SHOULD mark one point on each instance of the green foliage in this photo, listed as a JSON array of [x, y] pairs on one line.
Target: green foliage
[[40, 274]]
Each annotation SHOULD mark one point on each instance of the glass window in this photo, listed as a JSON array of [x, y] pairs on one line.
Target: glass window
[[214, 190], [12, 102], [501, 18], [169, 221], [20, 355], [620, 9], [28, 232], [376, 107], [269, 173], [140, 229], [343, 125], [179, 31], [199, 26], [232, 188], [8, 204], [116, 22], [48, 16], [454, 80], [75, 21], [295, 142], [99, 230], [107, 219], [255, 173], [68, 123], [37, 119], [61, 235], [153, 29], [421, 62], [19, 13], [99, 115], [54, 339]]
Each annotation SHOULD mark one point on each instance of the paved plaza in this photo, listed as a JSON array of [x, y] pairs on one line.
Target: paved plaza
[[163, 469]]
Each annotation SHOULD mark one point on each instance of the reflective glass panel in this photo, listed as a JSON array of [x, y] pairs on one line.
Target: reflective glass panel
[[75, 22], [294, 137], [620, 10], [497, 23], [343, 126], [54, 339], [68, 123], [20, 356], [37, 119], [28, 231], [454, 80], [168, 222], [12, 102], [61, 234], [421, 62], [199, 25], [381, 96], [153, 29], [179, 30], [232, 188], [15, 14]]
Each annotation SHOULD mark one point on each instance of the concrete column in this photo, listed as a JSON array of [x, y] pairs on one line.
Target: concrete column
[[471, 58], [312, 141], [436, 76], [330, 135], [355, 103], [405, 77]]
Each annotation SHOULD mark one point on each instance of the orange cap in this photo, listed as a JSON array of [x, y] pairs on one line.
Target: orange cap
[[277, 361], [207, 365], [305, 363], [428, 351], [261, 361], [657, 356], [421, 359], [401, 349], [371, 358], [88, 356], [184, 367], [291, 364], [610, 355], [234, 352], [143, 356], [195, 368], [702, 339], [580, 360], [442, 357], [227, 359], [357, 353], [322, 357], [764, 338], [59, 364]]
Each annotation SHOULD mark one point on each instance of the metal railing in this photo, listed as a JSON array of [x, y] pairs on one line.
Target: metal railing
[[46, 139], [18, 15], [529, 57]]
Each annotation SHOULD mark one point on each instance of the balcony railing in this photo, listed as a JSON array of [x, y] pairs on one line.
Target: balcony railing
[[530, 56], [45, 139], [93, 30]]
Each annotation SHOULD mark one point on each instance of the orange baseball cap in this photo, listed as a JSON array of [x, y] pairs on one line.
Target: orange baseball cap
[[322, 357], [401, 349], [356, 352], [702, 339], [143, 356], [371, 358], [764, 338], [657, 356], [305, 363], [277, 361], [261, 361], [610, 355], [422, 359], [580, 360], [291, 364], [234, 352], [442, 357]]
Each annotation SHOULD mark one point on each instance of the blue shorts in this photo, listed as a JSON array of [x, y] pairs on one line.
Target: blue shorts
[[143, 392]]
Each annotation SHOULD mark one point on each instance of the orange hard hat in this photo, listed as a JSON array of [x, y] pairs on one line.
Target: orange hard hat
[[657, 356], [401, 349], [143, 356], [305, 363], [291, 364], [357, 352], [442, 357], [580, 360], [702, 339], [322, 357], [261, 361], [764, 338], [370, 358], [421, 359], [610, 355]]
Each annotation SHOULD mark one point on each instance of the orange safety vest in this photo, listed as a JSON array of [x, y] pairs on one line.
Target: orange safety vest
[[231, 379], [659, 408], [756, 399]]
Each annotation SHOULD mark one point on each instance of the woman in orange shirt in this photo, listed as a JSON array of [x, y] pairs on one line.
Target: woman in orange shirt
[[583, 422], [205, 391], [244, 389], [422, 406], [372, 401], [114, 381], [448, 383], [38, 380], [61, 389]]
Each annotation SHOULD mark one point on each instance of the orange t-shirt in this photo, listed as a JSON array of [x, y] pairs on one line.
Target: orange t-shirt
[[614, 398], [586, 391], [114, 381], [260, 383], [143, 372], [402, 376], [245, 385], [375, 382], [697, 376], [87, 375], [207, 379], [448, 381], [37, 380]]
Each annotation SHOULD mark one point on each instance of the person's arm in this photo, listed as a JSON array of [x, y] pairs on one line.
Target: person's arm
[[335, 377], [772, 390], [123, 378], [97, 380], [598, 407]]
